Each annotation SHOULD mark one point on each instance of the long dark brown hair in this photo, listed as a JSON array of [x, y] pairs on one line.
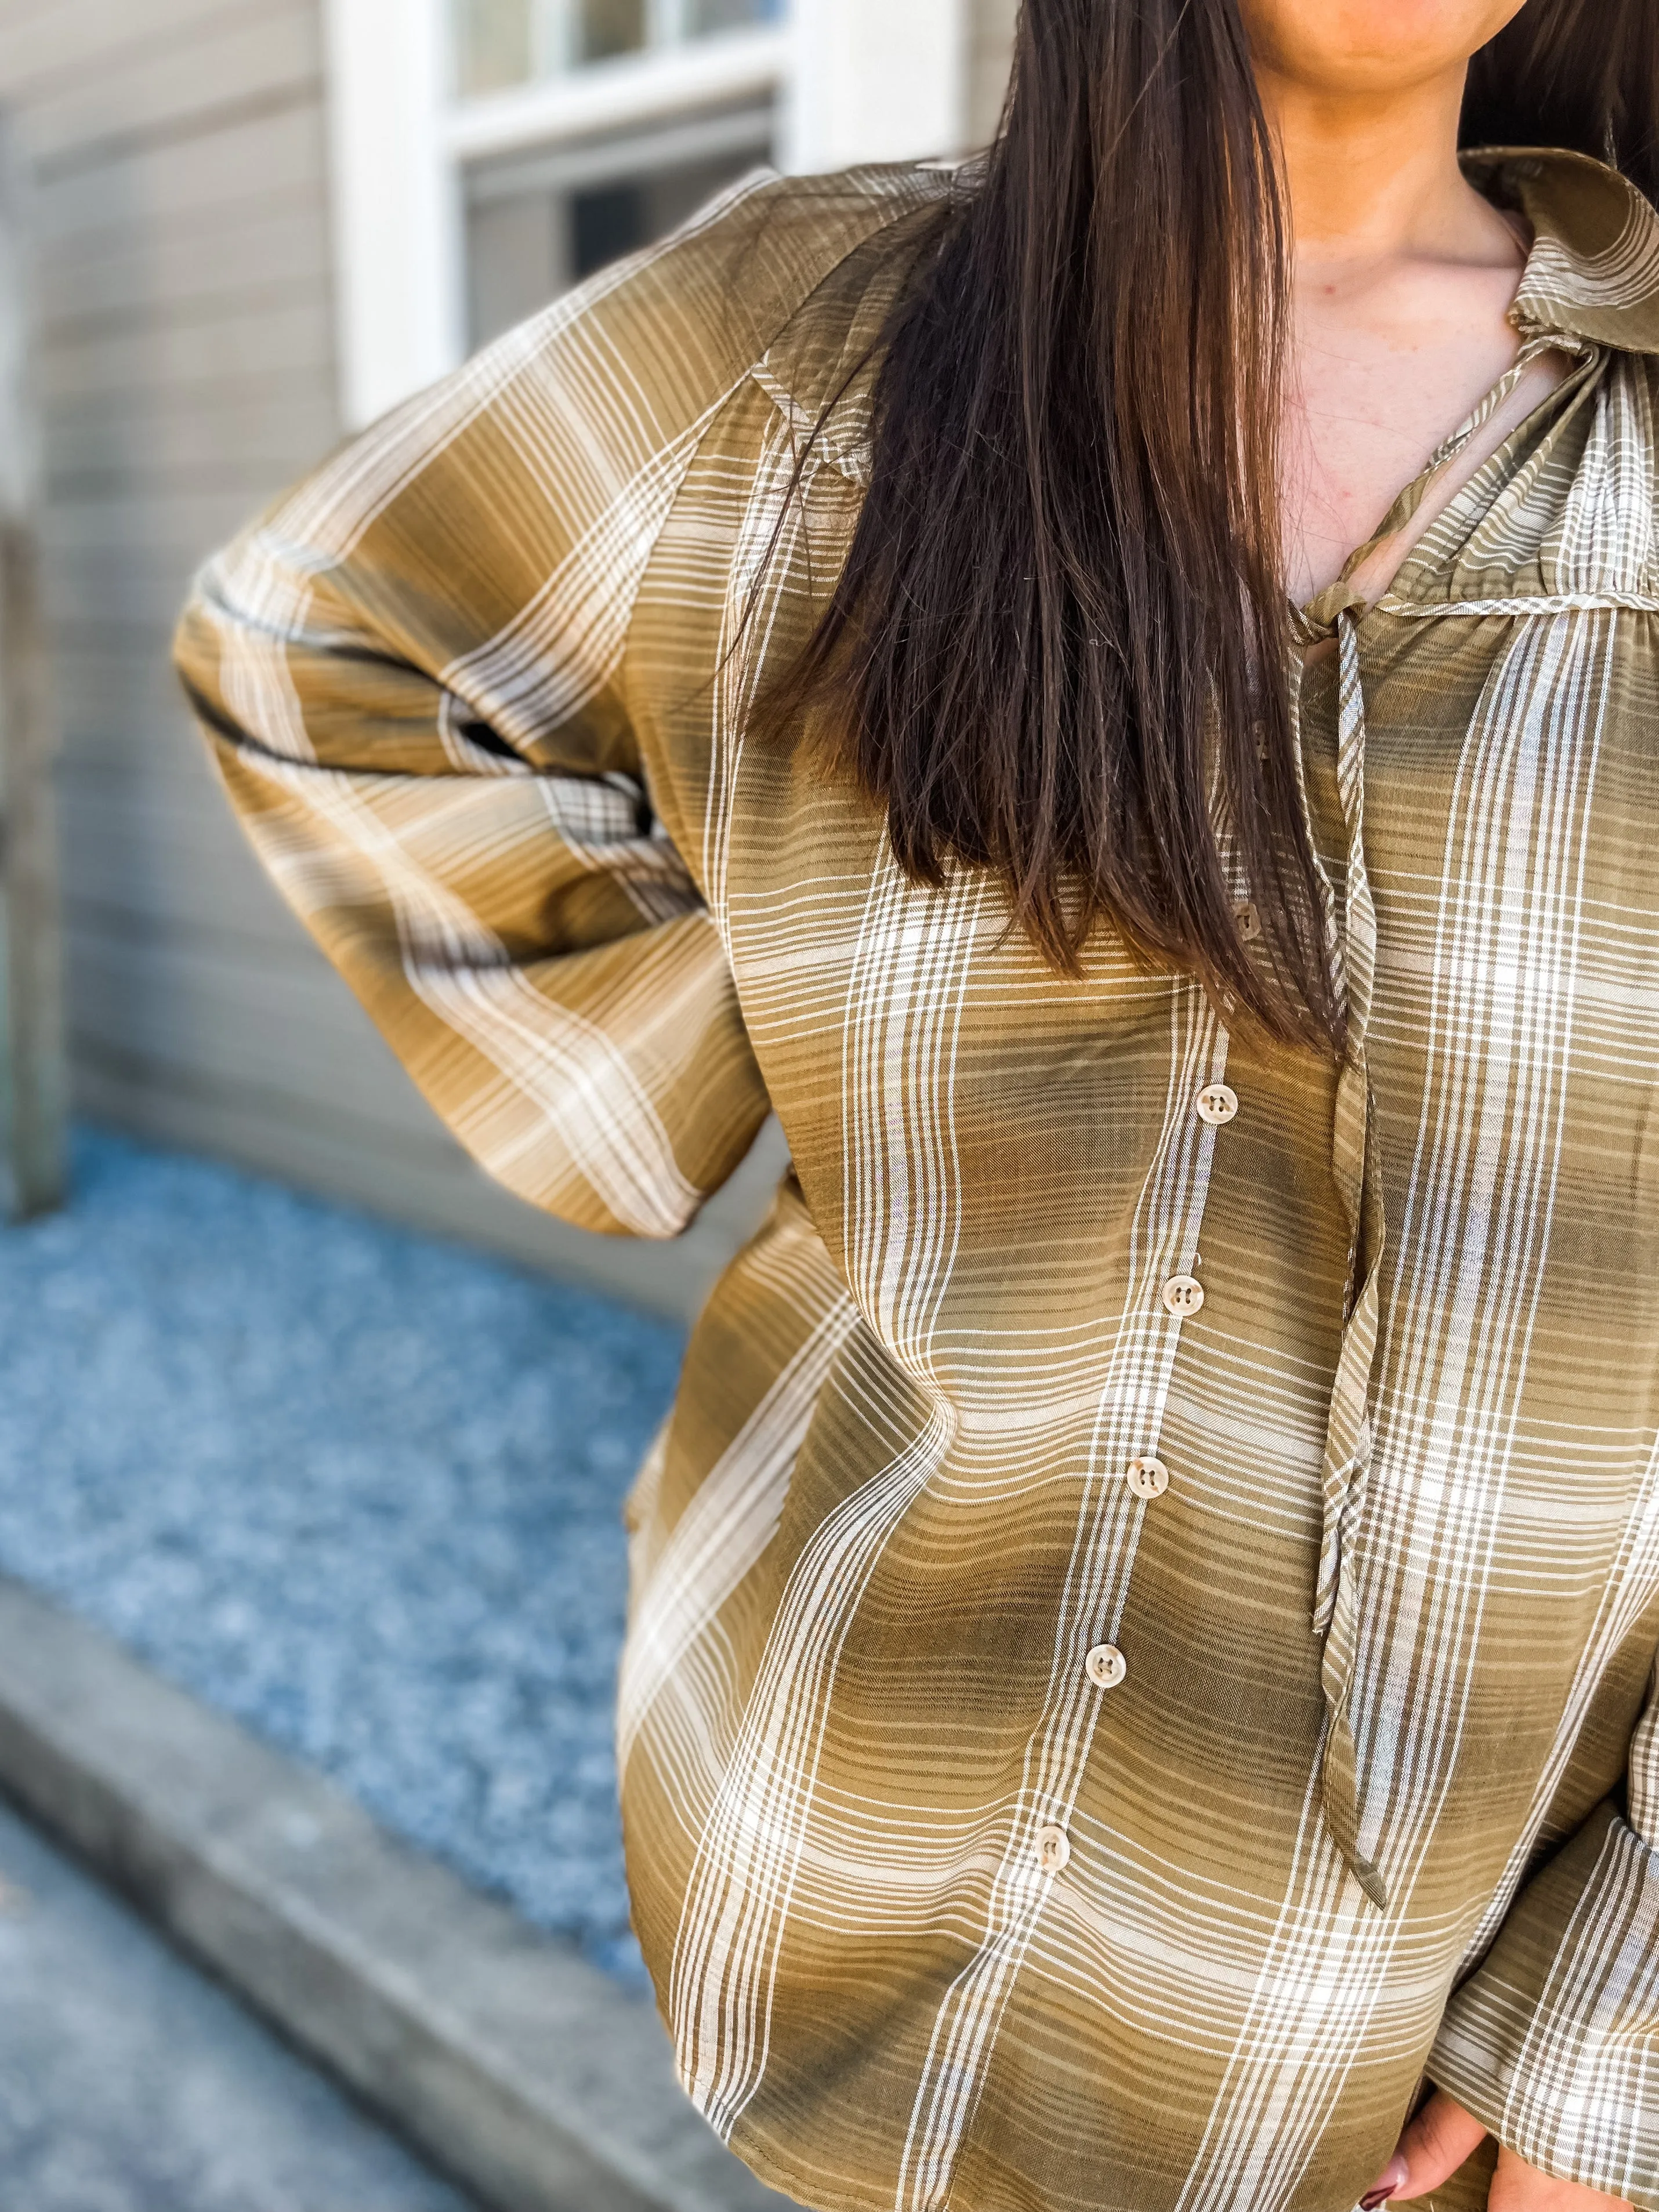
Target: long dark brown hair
[[1057, 644]]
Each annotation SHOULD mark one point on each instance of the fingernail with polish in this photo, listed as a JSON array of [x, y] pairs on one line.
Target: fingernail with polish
[[1393, 2176]]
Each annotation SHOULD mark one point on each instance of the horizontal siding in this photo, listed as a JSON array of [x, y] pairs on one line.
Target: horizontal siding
[[184, 1000], [157, 853], [190, 267], [247, 429], [234, 160], [47, 43], [272, 331], [188, 373], [168, 88], [120, 713]]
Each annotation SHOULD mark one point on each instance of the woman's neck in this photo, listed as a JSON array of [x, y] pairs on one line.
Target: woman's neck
[[1402, 278], [1375, 177]]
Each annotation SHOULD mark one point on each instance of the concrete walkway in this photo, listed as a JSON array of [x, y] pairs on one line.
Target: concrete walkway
[[128, 2083]]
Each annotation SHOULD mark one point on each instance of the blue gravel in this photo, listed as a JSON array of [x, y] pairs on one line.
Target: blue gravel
[[357, 1487]]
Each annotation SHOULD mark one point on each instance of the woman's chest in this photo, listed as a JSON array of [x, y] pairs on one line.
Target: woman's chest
[[982, 1140], [1374, 385]]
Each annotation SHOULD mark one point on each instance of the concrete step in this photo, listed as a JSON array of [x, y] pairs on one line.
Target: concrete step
[[520, 2068], [130, 2082]]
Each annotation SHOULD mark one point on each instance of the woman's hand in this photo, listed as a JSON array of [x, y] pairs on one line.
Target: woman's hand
[[1437, 2142]]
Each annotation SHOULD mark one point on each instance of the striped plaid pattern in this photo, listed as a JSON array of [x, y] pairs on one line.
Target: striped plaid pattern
[[941, 1913]]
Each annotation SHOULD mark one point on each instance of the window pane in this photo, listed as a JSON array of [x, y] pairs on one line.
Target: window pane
[[671, 197], [495, 43], [517, 260], [526, 245], [609, 27], [500, 43], [703, 17], [605, 223]]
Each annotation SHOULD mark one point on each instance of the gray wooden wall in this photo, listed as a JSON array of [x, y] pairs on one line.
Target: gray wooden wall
[[178, 148], [178, 154]]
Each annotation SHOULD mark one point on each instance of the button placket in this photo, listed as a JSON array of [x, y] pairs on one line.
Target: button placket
[[1105, 1667], [1182, 1294], [1215, 1104]]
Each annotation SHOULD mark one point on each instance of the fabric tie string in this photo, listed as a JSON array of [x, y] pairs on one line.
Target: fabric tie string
[[1352, 944]]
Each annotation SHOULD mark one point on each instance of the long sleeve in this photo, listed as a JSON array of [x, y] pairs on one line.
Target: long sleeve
[[1553, 2041], [413, 674]]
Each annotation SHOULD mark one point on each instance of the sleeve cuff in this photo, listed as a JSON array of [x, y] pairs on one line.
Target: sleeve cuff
[[1553, 2040]]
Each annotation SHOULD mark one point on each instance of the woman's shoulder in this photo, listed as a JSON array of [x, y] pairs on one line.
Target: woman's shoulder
[[750, 260], [783, 276]]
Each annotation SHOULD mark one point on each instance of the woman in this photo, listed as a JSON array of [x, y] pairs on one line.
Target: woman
[[1145, 1610]]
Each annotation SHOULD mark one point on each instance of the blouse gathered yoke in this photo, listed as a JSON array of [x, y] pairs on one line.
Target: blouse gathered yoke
[[1145, 1612]]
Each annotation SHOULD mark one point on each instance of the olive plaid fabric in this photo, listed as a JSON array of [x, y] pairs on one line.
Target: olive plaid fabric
[[1145, 1612]]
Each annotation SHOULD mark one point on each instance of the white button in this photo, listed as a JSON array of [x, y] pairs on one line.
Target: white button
[[1053, 1849], [1216, 1103], [1147, 1478], [1248, 920], [1105, 1666], [1184, 1294]]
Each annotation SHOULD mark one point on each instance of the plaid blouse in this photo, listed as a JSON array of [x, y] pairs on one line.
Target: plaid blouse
[[1145, 1609]]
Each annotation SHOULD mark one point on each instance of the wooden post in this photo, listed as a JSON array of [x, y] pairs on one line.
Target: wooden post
[[33, 1080]]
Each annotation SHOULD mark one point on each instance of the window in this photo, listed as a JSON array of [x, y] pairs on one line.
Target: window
[[566, 194], [486, 154], [538, 222], [582, 129], [501, 43]]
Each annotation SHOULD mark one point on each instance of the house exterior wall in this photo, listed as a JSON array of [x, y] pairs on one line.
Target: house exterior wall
[[189, 370]]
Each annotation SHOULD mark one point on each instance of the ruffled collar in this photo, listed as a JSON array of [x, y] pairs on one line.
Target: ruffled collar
[[1592, 272]]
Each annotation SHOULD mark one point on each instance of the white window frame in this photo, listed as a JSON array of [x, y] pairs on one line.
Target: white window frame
[[855, 80]]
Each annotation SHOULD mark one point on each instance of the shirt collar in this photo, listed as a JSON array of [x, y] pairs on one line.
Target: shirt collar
[[1592, 272]]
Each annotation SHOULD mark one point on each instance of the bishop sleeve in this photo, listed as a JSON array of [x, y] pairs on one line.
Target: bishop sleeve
[[412, 674], [1553, 2041]]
